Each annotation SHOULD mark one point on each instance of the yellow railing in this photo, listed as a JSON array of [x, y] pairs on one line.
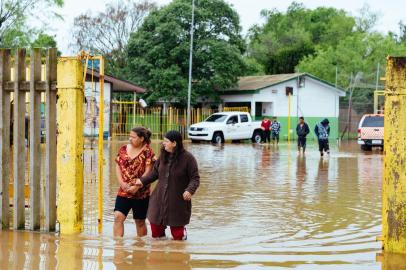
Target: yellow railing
[[126, 115], [236, 109]]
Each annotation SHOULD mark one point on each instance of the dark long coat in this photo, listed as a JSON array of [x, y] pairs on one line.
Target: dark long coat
[[166, 205]]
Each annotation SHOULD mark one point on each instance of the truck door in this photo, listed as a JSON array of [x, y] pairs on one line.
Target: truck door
[[245, 129], [232, 127]]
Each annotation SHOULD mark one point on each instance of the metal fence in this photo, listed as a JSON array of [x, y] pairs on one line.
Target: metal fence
[[349, 118], [126, 115]]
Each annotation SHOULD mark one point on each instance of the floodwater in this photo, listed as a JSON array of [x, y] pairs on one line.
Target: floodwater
[[258, 207]]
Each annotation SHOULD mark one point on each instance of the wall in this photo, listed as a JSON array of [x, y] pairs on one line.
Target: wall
[[91, 109], [311, 121], [313, 100]]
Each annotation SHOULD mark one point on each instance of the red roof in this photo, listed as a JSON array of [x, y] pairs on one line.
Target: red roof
[[118, 85]]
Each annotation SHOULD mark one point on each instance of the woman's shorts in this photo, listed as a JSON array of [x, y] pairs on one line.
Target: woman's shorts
[[139, 207]]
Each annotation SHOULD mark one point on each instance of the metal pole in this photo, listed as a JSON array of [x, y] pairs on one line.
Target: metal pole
[[394, 177], [377, 78], [376, 91], [289, 104], [100, 161], [336, 76], [134, 103], [190, 65], [335, 106]]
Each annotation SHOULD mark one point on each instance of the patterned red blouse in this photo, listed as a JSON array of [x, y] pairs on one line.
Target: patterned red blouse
[[131, 169]]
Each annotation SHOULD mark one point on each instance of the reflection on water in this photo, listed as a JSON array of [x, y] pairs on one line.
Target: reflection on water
[[258, 207]]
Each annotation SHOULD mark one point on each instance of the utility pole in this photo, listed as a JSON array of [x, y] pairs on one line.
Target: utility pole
[[377, 78], [189, 92]]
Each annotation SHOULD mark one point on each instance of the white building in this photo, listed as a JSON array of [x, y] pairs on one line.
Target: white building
[[269, 95]]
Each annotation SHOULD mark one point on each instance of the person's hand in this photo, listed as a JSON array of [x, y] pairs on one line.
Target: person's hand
[[138, 183], [187, 196], [133, 189], [125, 187]]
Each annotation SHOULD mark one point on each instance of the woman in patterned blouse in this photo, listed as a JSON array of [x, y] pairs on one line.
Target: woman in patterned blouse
[[133, 161]]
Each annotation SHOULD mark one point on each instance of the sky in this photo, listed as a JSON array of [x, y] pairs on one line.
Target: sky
[[390, 12]]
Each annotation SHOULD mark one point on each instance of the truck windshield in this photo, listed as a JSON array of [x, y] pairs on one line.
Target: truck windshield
[[216, 118], [373, 121]]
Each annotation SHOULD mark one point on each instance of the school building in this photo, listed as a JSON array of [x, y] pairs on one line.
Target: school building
[[288, 96]]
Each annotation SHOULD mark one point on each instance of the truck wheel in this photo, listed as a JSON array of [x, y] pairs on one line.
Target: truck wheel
[[366, 147], [217, 138], [257, 137]]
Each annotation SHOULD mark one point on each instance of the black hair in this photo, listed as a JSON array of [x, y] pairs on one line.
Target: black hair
[[173, 136], [301, 117], [143, 132]]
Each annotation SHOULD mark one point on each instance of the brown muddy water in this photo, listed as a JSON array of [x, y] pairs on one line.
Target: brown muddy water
[[258, 207]]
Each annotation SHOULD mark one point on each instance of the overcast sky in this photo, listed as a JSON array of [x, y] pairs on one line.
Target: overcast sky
[[390, 11]]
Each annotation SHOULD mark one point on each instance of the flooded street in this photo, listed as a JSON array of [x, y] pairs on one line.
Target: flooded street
[[258, 207]]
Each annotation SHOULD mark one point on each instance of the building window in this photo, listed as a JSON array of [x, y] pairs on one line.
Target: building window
[[289, 90]]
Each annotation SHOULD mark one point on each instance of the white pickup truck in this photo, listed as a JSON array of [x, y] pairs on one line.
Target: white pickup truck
[[222, 126]]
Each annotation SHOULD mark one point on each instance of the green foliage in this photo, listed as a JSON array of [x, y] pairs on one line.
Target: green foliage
[[253, 68], [322, 40], [286, 38], [158, 53], [123, 96], [14, 29], [44, 41], [359, 54], [402, 36]]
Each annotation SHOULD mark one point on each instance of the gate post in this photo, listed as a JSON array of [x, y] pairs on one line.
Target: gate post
[[70, 145], [4, 139], [394, 182], [19, 142]]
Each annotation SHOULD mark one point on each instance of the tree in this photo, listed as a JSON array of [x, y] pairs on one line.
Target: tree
[[402, 34], [359, 53], [367, 19], [44, 41], [14, 30], [286, 38], [158, 53], [108, 32]]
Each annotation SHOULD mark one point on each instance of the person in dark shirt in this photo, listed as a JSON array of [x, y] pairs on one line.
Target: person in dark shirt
[[302, 129], [171, 200], [322, 131], [275, 130]]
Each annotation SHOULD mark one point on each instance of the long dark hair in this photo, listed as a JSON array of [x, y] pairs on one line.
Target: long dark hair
[[173, 136], [142, 132]]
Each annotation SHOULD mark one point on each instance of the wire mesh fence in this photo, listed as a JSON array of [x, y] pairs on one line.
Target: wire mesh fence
[[350, 117]]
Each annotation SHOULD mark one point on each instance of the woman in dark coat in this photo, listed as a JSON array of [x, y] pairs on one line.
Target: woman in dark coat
[[170, 203]]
